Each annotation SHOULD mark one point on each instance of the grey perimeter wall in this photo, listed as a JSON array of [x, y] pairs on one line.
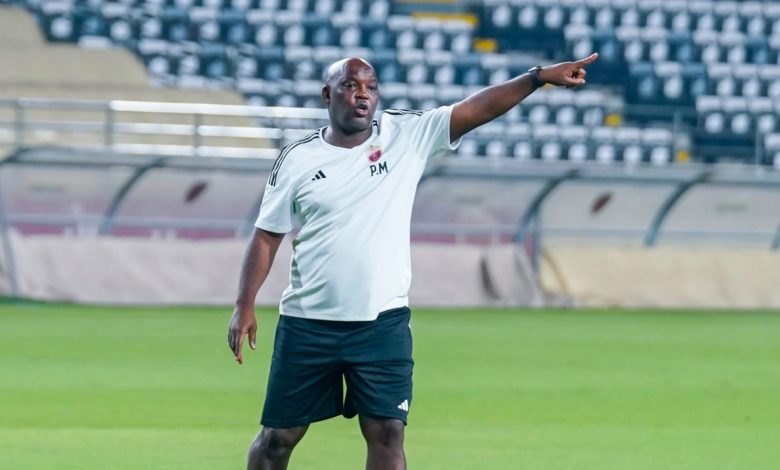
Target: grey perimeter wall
[[107, 270]]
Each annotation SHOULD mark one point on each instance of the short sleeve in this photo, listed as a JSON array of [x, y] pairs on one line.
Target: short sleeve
[[434, 131], [276, 208]]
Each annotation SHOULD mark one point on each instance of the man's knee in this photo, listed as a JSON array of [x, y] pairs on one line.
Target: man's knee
[[275, 443], [385, 432]]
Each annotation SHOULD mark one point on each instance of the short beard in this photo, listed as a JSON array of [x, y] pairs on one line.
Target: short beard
[[350, 128]]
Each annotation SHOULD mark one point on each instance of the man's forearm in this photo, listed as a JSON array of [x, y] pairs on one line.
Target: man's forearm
[[257, 264], [490, 103]]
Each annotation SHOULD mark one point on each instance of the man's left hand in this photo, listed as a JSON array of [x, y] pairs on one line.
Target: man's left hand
[[568, 74]]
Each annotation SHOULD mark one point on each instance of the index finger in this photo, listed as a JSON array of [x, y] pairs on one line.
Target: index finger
[[237, 351], [587, 60]]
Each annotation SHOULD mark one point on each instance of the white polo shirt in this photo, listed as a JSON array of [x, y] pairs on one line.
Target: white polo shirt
[[351, 258]]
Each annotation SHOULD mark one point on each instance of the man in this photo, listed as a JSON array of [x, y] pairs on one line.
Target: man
[[345, 315]]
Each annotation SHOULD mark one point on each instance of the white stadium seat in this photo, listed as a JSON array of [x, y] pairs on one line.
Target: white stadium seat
[[551, 151], [605, 153], [660, 156], [522, 151], [578, 152], [632, 155], [496, 149]]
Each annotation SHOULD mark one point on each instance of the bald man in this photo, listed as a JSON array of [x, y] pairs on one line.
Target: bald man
[[345, 316]]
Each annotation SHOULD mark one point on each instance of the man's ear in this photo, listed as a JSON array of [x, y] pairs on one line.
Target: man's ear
[[326, 95]]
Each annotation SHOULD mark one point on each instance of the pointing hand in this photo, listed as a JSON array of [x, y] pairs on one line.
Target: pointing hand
[[568, 74]]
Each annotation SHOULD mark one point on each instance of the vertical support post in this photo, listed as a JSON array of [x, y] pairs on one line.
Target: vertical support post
[[8, 250], [676, 126], [109, 129], [197, 121], [19, 125], [536, 243]]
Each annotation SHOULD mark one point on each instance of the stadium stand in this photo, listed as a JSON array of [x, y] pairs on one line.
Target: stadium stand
[[273, 52], [673, 53]]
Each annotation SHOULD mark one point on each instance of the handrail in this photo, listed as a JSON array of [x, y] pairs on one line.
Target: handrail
[[105, 124], [267, 130], [159, 107]]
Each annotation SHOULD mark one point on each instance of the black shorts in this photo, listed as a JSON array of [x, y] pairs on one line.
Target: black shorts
[[313, 358]]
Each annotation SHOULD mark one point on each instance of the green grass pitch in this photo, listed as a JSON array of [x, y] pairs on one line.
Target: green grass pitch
[[156, 388]]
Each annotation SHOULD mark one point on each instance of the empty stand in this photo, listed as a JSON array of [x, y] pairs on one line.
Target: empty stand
[[662, 54]]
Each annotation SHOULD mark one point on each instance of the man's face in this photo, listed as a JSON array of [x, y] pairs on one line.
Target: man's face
[[352, 96]]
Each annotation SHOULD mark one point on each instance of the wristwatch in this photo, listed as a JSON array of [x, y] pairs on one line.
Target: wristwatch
[[534, 72]]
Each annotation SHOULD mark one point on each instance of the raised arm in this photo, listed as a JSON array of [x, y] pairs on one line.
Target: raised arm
[[257, 264], [491, 102]]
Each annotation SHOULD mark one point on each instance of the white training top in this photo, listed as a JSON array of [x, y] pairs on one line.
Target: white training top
[[351, 257]]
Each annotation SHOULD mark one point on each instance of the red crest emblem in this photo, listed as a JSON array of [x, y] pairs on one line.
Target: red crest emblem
[[374, 153]]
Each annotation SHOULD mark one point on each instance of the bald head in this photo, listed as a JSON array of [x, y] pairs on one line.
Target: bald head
[[340, 68], [351, 93]]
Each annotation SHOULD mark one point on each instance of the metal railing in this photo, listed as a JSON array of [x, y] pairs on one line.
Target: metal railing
[[259, 133], [216, 130]]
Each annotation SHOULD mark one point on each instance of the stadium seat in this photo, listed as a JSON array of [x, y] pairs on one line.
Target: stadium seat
[[539, 114], [764, 111], [522, 151], [468, 147], [632, 155], [496, 149], [660, 156], [460, 43], [551, 151], [266, 35], [605, 153], [566, 116], [630, 17], [578, 152], [379, 10]]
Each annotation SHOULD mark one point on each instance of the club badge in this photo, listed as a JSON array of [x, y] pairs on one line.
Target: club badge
[[374, 153]]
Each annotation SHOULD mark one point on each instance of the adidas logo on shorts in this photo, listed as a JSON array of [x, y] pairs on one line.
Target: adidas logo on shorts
[[404, 406]]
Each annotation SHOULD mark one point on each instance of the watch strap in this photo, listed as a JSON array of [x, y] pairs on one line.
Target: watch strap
[[534, 73]]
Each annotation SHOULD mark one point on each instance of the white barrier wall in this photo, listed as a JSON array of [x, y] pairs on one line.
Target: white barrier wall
[[108, 270], [664, 276]]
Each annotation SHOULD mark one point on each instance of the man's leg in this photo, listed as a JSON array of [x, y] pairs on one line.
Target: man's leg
[[272, 448], [385, 441]]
